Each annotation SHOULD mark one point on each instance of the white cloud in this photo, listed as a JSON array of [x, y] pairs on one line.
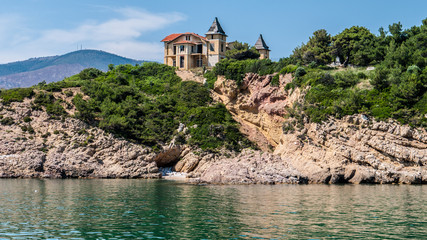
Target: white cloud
[[135, 49], [123, 36]]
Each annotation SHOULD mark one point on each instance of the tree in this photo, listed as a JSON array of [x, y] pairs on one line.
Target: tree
[[241, 51], [318, 49], [90, 73], [355, 45], [396, 32]]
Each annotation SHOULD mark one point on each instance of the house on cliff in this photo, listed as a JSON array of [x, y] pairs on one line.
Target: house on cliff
[[190, 50]]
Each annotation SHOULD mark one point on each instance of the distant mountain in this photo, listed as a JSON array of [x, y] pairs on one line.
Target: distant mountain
[[55, 68]]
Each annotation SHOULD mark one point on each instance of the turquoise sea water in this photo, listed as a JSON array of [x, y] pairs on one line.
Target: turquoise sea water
[[160, 209]]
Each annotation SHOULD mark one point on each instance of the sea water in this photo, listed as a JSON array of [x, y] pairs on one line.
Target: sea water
[[160, 209]]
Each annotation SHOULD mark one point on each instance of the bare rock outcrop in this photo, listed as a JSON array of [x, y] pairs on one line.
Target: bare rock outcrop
[[251, 167], [356, 149], [248, 167], [40, 146], [257, 105]]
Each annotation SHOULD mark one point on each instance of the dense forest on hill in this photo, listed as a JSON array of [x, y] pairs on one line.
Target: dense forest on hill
[[394, 88]]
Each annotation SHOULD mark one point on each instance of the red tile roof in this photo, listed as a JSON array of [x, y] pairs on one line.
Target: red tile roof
[[183, 42], [171, 37], [177, 35]]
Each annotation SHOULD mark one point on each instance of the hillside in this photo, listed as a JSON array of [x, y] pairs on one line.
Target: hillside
[[55, 68], [245, 121], [134, 120]]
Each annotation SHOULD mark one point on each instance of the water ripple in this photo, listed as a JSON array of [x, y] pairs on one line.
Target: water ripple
[[147, 209]]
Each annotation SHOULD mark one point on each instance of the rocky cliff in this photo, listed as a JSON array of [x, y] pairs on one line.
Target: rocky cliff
[[37, 145], [33, 144], [355, 149]]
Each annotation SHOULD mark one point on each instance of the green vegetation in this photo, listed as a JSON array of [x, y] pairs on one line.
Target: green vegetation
[[15, 94], [241, 51], [317, 50], [52, 105], [395, 89], [7, 121], [27, 119], [236, 70], [147, 103]]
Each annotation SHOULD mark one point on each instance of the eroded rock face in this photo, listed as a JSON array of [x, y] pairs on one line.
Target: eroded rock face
[[167, 156], [251, 167], [357, 150], [248, 167], [257, 105], [52, 148]]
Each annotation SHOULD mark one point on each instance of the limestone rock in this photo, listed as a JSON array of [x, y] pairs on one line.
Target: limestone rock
[[66, 149]]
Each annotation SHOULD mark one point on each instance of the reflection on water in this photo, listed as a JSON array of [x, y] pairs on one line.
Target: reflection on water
[[141, 209]]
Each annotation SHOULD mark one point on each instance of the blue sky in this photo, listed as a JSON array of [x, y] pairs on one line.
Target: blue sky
[[134, 28]]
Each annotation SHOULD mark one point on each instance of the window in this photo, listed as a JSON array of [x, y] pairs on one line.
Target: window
[[199, 48], [181, 62], [192, 49], [212, 47], [187, 38], [181, 48], [174, 50], [222, 47]]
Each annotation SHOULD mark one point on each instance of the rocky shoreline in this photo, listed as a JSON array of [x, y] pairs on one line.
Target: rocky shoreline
[[355, 149]]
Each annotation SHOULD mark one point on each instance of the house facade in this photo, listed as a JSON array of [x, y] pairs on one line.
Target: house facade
[[189, 50]]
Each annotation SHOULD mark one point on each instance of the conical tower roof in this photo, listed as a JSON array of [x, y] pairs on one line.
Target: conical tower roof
[[260, 44], [216, 28]]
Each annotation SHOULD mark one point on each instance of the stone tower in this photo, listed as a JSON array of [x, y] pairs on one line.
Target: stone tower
[[217, 43], [261, 46]]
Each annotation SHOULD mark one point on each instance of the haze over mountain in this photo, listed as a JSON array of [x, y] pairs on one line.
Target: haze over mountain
[[55, 68]]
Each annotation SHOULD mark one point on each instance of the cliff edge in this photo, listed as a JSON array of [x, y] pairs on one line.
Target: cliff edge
[[355, 149]]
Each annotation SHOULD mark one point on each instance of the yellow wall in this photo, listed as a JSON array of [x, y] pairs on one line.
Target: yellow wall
[[189, 58], [264, 54]]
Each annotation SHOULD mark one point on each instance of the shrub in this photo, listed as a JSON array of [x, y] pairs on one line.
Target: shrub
[[299, 72], [46, 135], [362, 75], [236, 70], [413, 69], [7, 121], [68, 93], [44, 99], [30, 129], [380, 80], [275, 80], [16, 94], [90, 73], [346, 79], [55, 109], [27, 119], [210, 79], [288, 69]]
